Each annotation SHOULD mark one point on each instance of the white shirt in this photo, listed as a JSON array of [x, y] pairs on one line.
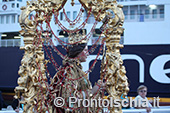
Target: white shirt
[[142, 100]]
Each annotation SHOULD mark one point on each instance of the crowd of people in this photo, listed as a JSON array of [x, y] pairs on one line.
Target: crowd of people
[[14, 106]]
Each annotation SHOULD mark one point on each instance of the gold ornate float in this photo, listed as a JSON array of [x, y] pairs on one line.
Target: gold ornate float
[[33, 77]]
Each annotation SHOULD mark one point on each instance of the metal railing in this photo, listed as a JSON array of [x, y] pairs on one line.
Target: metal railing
[[161, 109], [94, 39], [144, 17], [153, 110], [136, 18], [10, 43], [129, 0]]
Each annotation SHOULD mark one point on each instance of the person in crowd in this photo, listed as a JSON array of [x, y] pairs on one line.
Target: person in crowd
[[141, 97], [16, 104], [2, 102]]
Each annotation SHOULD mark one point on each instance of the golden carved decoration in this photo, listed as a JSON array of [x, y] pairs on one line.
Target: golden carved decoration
[[117, 84], [32, 70]]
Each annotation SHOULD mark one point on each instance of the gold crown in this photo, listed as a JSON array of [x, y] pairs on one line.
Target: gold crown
[[77, 38]]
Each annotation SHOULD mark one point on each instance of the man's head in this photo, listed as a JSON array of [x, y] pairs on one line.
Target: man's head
[[142, 91]]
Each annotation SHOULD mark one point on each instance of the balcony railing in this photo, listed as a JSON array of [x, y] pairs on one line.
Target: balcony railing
[[94, 39], [136, 18], [144, 17], [10, 43]]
